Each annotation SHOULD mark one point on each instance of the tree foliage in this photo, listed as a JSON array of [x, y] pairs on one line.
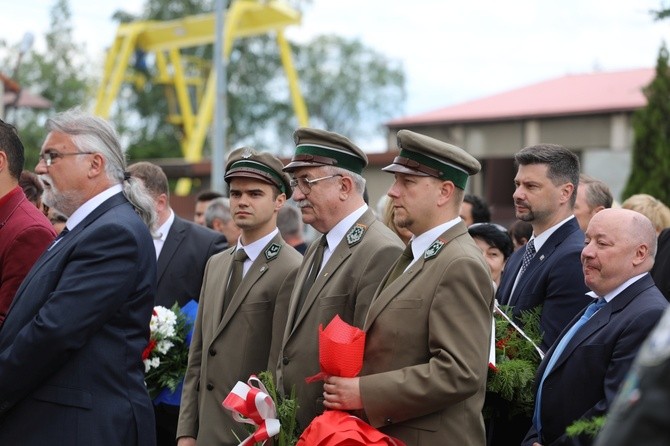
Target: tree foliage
[[650, 169], [347, 87], [58, 73]]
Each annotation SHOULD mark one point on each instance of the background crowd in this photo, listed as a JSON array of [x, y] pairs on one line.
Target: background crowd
[[89, 245]]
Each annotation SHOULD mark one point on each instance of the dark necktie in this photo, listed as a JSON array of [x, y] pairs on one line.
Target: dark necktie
[[590, 311], [405, 259], [235, 276], [62, 234], [313, 272], [527, 256]]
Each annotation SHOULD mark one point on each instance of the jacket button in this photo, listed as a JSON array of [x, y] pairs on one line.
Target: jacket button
[[212, 352], [388, 421], [210, 386], [285, 360]]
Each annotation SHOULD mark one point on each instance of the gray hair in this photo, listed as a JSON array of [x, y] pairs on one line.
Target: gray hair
[[93, 134], [358, 180], [218, 208], [289, 220], [597, 192]]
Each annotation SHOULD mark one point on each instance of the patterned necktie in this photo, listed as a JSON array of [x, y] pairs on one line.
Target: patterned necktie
[[590, 311], [313, 272], [527, 256], [236, 273], [403, 262]]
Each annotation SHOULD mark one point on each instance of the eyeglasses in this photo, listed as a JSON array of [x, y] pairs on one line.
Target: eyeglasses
[[50, 156], [305, 184]]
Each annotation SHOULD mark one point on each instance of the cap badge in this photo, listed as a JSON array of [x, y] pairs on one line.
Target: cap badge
[[434, 249], [247, 153], [356, 234], [272, 251]]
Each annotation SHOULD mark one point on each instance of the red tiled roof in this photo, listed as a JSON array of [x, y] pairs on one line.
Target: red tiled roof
[[567, 95]]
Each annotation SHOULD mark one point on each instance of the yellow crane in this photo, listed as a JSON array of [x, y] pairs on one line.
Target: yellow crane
[[190, 84]]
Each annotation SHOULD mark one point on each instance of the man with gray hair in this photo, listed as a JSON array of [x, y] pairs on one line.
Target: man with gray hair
[[71, 346], [219, 218], [592, 196], [340, 271]]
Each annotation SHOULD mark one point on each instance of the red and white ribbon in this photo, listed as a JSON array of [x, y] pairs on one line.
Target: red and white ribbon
[[251, 404]]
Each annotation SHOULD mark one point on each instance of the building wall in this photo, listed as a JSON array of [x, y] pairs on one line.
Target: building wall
[[602, 141]]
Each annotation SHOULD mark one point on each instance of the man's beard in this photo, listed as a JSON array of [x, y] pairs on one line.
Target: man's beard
[[66, 204]]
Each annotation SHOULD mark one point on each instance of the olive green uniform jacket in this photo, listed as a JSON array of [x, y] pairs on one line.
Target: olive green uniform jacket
[[344, 286], [229, 349], [427, 346]]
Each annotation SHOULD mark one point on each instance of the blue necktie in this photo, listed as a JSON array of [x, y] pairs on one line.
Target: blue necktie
[[590, 311]]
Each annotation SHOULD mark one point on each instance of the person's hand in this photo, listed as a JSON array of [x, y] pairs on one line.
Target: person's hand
[[186, 441], [342, 393], [536, 444]]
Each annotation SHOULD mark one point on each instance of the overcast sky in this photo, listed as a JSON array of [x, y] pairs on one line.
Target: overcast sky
[[451, 51]]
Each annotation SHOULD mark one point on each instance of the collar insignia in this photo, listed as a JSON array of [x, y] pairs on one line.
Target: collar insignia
[[433, 249], [356, 234], [272, 251]]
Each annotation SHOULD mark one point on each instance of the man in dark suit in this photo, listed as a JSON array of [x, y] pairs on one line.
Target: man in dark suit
[[233, 329], [182, 249], [429, 325], [661, 270], [546, 183], [71, 347], [638, 415], [24, 230], [340, 271], [582, 372]]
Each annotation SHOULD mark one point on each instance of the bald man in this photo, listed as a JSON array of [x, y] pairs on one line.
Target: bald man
[[581, 373]]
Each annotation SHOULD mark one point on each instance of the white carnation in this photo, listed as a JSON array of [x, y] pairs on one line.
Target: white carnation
[[164, 346]]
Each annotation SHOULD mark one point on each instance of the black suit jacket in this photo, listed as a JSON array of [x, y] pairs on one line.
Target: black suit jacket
[[661, 270], [553, 279], [181, 263], [587, 375], [71, 369]]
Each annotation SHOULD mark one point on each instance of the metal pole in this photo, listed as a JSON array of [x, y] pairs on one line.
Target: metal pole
[[220, 110]]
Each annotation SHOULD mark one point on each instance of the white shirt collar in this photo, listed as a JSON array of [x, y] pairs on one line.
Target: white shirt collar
[[162, 232], [422, 242], [338, 232], [616, 291], [542, 238], [85, 209], [255, 249]]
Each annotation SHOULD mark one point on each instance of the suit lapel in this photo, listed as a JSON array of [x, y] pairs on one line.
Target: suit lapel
[[260, 266], [602, 317], [308, 259], [341, 253], [172, 242], [512, 268], [384, 297], [392, 290], [53, 250], [548, 248], [219, 290]]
